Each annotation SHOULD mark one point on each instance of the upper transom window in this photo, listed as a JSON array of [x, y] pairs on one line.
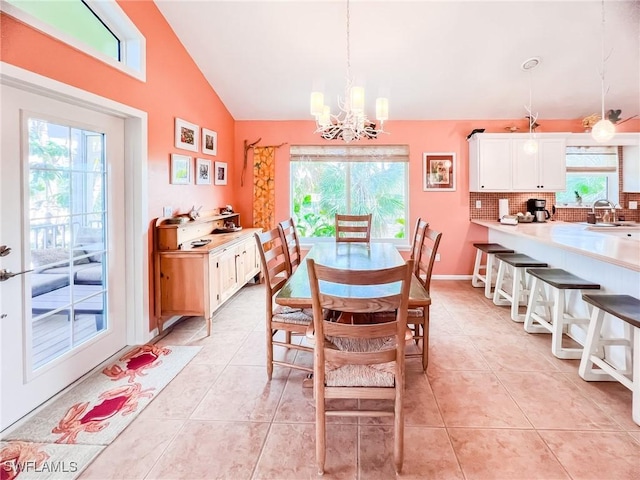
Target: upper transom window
[[98, 28]]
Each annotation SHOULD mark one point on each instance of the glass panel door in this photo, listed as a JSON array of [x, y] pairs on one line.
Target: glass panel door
[[67, 226]]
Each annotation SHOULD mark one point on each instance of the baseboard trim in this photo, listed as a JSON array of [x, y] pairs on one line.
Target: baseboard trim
[[451, 277]]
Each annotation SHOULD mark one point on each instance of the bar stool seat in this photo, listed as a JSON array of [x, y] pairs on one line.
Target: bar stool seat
[[627, 309], [514, 264], [482, 272], [557, 320]]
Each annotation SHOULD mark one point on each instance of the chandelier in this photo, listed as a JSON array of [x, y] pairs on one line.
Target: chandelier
[[350, 123], [603, 130]]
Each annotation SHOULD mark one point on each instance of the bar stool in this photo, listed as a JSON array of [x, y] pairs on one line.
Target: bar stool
[[514, 265], [557, 319], [490, 250], [627, 309]]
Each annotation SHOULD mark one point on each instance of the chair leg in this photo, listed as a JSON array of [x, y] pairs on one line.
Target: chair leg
[[591, 347], [635, 391], [269, 352], [425, 340], [398, 434], [499, 281], [321, 436], [516, 293]]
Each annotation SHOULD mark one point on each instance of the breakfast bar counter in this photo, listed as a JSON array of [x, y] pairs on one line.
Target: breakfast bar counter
[[607, 245]]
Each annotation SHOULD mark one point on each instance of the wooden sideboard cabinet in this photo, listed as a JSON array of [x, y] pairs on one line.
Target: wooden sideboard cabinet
[[196, 280]]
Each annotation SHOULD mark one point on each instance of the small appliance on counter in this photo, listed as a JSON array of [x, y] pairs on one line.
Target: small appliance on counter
[[537, 207]]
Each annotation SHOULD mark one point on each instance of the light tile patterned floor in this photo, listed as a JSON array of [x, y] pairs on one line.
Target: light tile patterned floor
[[495, 404]]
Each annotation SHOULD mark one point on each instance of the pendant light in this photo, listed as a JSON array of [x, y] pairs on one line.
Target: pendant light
[[530, 147], [604, 130]]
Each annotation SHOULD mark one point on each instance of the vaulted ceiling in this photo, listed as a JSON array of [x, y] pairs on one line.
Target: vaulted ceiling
[[433, 59]]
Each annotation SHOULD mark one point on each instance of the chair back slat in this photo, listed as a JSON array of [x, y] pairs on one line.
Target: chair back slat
[[427, 257], [291, 243], [353, 228]]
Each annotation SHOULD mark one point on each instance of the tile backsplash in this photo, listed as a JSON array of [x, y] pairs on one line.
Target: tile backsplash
[[518, 203]]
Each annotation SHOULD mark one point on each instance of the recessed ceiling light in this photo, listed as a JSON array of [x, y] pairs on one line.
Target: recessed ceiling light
[[530, 63]]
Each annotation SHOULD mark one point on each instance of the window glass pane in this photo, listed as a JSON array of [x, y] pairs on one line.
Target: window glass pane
[[590, 187], [76, 19], [322, 189]]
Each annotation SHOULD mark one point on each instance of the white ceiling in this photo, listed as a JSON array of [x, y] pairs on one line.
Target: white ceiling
[[433, 59]]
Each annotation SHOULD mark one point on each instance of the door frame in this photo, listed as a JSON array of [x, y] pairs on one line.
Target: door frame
[[136, 184]]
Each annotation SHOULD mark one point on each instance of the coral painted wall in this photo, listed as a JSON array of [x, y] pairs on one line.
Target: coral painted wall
[[175, 87], [447, 212]]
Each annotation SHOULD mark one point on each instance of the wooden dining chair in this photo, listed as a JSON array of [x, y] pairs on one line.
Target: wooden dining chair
[[359, 361], [418, 318], [353, 228], [418, 241], [273, 257], [292, 243]]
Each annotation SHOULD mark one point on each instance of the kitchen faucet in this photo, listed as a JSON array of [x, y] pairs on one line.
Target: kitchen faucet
[[603, 202]]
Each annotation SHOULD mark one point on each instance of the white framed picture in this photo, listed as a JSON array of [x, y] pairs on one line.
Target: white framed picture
[[203, 171], [209, 141], [180, 169], [187, 135], [220, 173]]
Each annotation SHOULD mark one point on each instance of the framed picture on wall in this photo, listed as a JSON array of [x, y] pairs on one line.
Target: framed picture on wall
[[180, 169], [203, 171], [439, 171], [209, 141], [187, 135], [220, 173]]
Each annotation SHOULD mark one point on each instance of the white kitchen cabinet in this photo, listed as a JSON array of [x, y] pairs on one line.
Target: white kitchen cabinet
[[489, 164], [631, 168], [542, 171], [497, 163]]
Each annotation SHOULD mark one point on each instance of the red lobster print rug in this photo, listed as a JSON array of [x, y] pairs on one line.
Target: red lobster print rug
[[91, 415]]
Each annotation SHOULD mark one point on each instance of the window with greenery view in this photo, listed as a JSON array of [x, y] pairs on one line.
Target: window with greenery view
[[350, 180], [592, 174]]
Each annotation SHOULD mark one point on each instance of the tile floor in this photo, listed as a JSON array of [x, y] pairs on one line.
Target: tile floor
[[494, 404]]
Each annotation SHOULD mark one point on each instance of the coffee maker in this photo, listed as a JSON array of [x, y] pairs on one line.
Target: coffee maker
[[537, 207]]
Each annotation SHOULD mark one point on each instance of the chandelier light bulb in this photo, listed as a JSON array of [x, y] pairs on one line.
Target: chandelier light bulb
[[382, 109], [357, 99], [324, 119], [603, 131], [317, 102], [530, 147]]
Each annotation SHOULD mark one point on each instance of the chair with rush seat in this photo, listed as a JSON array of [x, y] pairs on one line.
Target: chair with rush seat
[[627, 309], [554, 318], [483, 273], [353, 228], [514, 265], [359, 360], [418, 240], [275, 270], [292, 243], [418, 318]]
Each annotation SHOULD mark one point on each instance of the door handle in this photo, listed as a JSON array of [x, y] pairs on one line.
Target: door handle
[[6, 274]]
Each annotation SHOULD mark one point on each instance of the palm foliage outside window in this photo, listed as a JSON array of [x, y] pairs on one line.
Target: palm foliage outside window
[[353, 180]]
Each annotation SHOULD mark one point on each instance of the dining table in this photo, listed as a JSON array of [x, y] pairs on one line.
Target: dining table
[[296, 292]]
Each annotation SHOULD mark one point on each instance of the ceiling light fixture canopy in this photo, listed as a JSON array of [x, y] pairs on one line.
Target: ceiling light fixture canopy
[[351, 122], [604, 130], [530, 147]]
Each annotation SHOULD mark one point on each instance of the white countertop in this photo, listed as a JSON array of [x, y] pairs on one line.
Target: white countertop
[[576, 238]]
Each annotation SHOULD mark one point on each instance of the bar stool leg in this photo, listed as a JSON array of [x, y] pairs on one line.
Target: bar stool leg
[[476, 279], [488, 275], [537, 298], [591, 347], [635, 392], [499, 281], [517, 291]]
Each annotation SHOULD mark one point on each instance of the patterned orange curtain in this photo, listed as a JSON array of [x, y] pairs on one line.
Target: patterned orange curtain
[[264, 195]]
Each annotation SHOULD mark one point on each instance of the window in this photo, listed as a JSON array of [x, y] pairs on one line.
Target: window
[[592, 174], [326, 180], [98, 28]]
